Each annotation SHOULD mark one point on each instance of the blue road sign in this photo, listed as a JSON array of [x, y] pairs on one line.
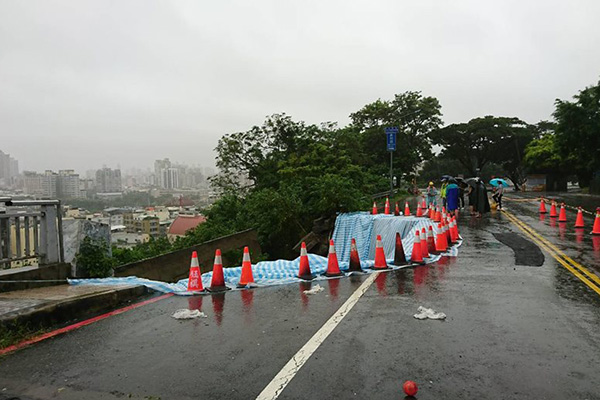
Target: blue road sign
[[391, 133]]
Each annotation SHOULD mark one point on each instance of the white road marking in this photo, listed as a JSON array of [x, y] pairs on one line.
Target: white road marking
[[287, 373]]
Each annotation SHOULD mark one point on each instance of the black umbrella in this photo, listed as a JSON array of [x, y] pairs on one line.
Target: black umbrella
[[446, 177], [472, 182], [461, 182]]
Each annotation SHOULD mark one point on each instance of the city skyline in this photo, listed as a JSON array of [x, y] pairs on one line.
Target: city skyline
[[153, 80]]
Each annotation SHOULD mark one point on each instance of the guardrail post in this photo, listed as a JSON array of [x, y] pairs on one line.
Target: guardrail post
[[49, 246]]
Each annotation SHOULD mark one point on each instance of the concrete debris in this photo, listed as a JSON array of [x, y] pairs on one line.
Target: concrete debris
[[188, 314], [428, 313], [318, 288]]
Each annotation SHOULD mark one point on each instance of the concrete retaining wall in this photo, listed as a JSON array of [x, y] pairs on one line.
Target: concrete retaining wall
[[176, 265], [47, 275]]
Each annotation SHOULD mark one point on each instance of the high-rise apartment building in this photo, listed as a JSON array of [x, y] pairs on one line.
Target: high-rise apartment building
[[170, 178], [108, 180], [68, 184], [49, 184], [9, 169]]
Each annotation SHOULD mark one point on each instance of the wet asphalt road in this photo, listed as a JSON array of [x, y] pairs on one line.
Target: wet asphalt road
[[512, 332]]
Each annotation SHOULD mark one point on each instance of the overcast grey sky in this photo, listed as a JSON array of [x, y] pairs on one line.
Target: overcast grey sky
[[87, 83]]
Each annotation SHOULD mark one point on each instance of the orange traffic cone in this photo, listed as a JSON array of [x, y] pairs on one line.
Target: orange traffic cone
[[446, 222], [419, 211], [380, 262], [217, 283], [579, 219], [399, 256], [438, 216], [387, 206], [406, 209], [443, 210], [431, 241], [247, 276], [194, 280], [553, 213], [354, 258], [423, 204], [333, 267], [417, 254], [453, 233], [596, 229], [542, 206], [562, 215], [431, 213], [424, 251], [374, 211], [440, 242], [397, 210], [304, 270]]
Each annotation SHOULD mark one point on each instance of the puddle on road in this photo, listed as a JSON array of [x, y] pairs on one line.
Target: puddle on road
[[526, 252]]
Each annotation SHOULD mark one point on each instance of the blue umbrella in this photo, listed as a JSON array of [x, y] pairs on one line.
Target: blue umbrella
[[498, 182]]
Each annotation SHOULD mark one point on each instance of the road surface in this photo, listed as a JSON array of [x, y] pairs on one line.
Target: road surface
[[512, 332]]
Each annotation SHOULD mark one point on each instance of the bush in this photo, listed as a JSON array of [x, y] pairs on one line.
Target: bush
[[93, 258]]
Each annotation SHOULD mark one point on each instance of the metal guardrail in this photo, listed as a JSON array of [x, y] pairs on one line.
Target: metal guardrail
[[30, 230]]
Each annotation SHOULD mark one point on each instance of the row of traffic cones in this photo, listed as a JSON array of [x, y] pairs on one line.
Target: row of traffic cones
[[387, 210], [446, 236], [562, 215], [217, 283]]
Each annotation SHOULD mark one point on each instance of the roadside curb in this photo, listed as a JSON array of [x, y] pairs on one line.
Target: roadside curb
[[60, 312]]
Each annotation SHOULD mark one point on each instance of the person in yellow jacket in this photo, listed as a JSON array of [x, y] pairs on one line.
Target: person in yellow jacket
[[443, 191]]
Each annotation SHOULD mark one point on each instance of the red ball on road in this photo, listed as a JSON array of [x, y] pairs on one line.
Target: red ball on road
[[410, 388]]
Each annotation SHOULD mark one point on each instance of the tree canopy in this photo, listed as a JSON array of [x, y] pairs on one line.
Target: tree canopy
[[481, 141], [578, 132]]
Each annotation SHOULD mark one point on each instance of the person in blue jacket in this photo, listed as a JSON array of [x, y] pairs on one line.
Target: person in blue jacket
[[452, 196]]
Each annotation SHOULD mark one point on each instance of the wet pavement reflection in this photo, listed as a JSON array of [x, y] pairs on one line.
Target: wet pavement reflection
[[218, 302]]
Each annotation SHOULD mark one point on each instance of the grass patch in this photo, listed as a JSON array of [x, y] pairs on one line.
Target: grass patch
[[16, 334]]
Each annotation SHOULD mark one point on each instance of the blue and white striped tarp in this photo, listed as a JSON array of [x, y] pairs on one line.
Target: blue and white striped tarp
[[361, 226]]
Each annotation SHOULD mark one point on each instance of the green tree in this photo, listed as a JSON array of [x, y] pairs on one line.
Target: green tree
[[416, 117], [486, 140], [94, 258], [578, 132], [542, 154]]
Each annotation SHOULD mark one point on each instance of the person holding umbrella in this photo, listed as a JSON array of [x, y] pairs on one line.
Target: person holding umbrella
[[451, 196], [483, 204], [499, 184], [472, 194]]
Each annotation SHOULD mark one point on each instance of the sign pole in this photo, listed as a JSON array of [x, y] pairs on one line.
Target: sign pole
[[391, 133], [391, 173]]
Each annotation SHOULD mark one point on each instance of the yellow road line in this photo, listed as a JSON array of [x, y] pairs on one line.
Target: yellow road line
[[574, 271], [583, 269]]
